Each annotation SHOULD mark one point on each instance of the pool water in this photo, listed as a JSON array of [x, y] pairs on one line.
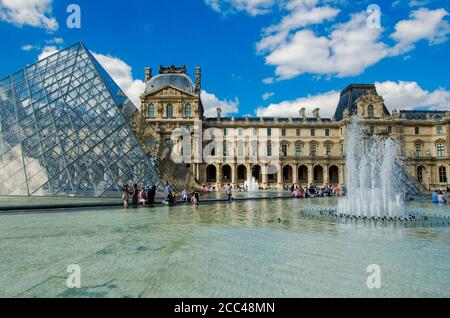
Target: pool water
[[240, 249]]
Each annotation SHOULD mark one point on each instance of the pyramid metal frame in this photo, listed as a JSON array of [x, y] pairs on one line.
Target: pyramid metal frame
[[64, 131]]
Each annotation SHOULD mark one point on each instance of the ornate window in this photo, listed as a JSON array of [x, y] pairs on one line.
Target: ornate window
[[418, 149], [370, 111], [298, 149], [168, 143], [441, 150], [269, 149], [442, 174], [169, 111], [283, 132], [187, 111], [312, 149], [328, 147], [150, 110], [284, 149]]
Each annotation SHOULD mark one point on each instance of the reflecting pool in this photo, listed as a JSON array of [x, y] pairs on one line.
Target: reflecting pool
[[259, 248]]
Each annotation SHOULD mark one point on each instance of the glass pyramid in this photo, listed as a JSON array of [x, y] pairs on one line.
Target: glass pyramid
[[64, 131]]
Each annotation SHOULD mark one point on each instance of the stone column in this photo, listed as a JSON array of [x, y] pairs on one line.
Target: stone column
[[310, 174], [234, 174], [326, 177], [219, 174], [341, 174], [279, 175], [294, 174], [264, 174]]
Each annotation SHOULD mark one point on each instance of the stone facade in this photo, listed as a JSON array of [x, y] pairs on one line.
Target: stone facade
[[308, 150]]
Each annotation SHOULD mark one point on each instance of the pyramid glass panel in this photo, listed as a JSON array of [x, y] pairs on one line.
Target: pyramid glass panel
[[63, 131]]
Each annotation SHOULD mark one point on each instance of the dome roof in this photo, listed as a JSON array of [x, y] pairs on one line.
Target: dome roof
[[181, 81]]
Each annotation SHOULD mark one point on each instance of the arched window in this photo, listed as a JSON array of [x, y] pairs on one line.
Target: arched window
[[187, 111], [150, 110], [370, 111], [442, 175], [169, 111]]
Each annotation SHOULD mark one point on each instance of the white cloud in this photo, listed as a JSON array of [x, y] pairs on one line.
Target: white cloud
[[267, 95], [252, 7], [55, 40], [28, 47], [327, 103], [423, 24], [211, 103], [397, 95], [47, 51], [268, 80], [35, 13], [121, 73], [409, 95], [348, 50]]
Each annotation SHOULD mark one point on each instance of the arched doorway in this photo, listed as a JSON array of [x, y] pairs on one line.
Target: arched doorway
[[287, 174], [318, 175], [226, 173], [211, 173], [271, 174], [419, 173], [303, 174], [333, 174], [242, 173], [256, 172]]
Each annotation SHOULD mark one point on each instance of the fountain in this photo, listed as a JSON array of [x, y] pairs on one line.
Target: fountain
[[251, 185], [371, 184]]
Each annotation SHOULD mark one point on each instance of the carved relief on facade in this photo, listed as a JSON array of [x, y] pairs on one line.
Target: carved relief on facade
[[370, 105]]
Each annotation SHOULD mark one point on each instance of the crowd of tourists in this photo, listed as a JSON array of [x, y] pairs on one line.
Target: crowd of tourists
[[313, 191], [146, 195]]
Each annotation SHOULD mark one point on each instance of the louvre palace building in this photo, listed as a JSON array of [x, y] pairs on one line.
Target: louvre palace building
[[309, 150], [67, 129]]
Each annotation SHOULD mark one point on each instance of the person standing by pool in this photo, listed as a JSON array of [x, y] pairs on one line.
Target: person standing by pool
[[434, 197], [125, 195], [142, 196], [151, 195], [228, 192], [185, 196], [135, 194], [167, 189], [440, 198]]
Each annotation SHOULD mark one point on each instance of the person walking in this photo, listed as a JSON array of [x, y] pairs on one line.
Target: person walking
[[142, 196], [185, 196], [151, 195], [125, 195], [228, 191], [135, 194]]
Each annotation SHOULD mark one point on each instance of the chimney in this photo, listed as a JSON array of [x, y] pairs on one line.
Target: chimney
[[316, 113], [148, 74], [198, 79], [301, 113], [219, 113]]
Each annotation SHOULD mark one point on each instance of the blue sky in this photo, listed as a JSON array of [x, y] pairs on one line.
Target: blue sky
[[258, 57]]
